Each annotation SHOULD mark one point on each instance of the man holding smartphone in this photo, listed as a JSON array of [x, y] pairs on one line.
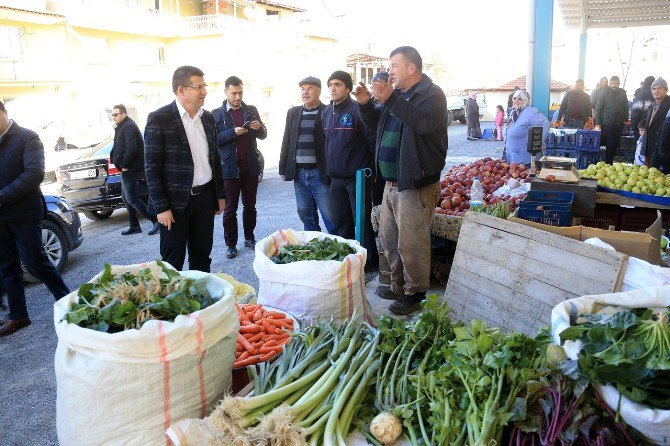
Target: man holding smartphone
[[238, 125]]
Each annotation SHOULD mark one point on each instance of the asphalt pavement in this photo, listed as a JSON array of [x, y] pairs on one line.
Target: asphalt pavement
[[27, 379]]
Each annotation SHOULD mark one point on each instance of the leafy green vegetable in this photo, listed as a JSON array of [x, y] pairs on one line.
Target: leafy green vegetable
[[325, 249], [630, 350], [125, 302]]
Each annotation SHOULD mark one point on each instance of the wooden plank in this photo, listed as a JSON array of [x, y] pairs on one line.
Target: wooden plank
[[550, 257], [514, 277], [610, 198], [550, 275], [511, 275], [488, 288], [566, 244], [490, 311]]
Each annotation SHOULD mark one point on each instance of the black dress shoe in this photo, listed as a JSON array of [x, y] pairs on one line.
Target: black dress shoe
[[13, 326], [132, 230], [250, 243], [232, 252], [155, 229]]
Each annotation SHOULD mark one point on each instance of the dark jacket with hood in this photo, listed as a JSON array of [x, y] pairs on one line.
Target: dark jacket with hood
[[612, 108], [226, 136], [349, 143], [423, 149], [287, 164], [641, 102], [21, 172], [128, 150]]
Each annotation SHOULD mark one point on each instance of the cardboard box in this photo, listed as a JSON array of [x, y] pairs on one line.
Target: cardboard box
[[645, 246]]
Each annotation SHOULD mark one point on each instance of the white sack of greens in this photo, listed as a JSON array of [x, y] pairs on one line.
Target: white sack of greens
[[139, 347], [312, 275]]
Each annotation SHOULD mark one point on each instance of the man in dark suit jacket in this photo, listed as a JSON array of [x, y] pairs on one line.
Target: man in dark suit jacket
[[303, 159], [21, 213], [183, 171], [128, 156], [654, 156]]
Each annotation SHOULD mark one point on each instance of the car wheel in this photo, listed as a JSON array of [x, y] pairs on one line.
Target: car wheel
[[55, 245], [261, 165], [98, 215], [49, 177], [450, 118]]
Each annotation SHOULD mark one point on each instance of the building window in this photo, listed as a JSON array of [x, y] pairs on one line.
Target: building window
[[12, 42]]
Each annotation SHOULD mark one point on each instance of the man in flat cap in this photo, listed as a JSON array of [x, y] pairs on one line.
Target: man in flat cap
[[302, 159]]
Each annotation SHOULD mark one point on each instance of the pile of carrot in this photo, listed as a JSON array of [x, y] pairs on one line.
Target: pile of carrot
[[262, 334]]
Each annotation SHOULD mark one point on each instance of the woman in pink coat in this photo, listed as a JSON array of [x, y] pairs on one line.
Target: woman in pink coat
[[500, 118]]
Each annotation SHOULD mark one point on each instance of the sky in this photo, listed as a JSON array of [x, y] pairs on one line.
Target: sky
[[484, 43]]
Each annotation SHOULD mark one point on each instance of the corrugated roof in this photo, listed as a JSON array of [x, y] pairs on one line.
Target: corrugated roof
[[281, 5], [521, 83], [27, 15], [615, 13]]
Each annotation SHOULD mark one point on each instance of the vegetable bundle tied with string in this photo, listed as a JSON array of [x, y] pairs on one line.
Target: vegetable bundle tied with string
[[311, 395], [127, 301]]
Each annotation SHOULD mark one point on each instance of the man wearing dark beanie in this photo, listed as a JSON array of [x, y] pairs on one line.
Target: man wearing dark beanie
[[349, 148]]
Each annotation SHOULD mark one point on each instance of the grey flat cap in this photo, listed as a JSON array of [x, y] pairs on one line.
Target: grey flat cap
[[311, 80]]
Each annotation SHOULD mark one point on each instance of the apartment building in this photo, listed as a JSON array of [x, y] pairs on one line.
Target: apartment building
[[86, 55]]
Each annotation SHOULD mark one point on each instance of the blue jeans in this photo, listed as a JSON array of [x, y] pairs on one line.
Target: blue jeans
[[130, 182], [311, 194], [23, 241]]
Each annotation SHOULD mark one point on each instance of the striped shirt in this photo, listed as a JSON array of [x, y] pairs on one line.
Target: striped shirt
[[305, 151]]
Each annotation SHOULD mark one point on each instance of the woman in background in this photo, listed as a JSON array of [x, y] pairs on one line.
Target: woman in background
[[522, 118]]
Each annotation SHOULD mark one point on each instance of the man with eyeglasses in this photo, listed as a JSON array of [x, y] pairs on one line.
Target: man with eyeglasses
[[238, 125], [128, 156], [183, 169]]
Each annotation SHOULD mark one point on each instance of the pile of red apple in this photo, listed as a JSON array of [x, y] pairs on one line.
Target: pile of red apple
[[492, 173]]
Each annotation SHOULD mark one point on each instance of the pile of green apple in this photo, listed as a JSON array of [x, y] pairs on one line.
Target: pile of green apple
[[631, 178]]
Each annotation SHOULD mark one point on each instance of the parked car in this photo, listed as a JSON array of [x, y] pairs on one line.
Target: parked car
[[456, 108], [61, 232], [93, 183]]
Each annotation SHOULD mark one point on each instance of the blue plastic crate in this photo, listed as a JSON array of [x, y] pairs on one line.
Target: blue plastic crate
[[562, 151], [586, 157], [547, 207], [565, 140], [550, 143], [587, 140]]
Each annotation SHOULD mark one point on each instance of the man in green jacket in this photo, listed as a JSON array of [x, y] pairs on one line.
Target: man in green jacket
[[410, 152], [611, 114]]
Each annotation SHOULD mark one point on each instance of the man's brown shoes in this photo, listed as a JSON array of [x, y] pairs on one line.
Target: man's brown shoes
[[13, 326]]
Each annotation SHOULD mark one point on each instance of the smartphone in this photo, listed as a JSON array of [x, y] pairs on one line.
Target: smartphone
[[247, 125]]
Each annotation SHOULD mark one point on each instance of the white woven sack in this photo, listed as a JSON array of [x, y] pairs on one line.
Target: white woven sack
[[653, 423], [312, 289], [126, 388]]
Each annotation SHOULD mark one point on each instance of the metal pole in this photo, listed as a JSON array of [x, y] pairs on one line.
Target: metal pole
[[360, 204], [582, 40], [530, 69], [543, 24]]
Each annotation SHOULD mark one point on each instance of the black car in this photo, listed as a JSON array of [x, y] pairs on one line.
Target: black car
[[93, 184], [61, 232]]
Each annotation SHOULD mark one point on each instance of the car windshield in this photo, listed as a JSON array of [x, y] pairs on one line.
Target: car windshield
[[104, 148]]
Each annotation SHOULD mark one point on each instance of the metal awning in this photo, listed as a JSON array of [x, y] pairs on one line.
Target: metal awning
[[615, 13]]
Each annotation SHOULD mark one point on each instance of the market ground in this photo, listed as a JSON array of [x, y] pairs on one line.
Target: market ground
[[27, 379]]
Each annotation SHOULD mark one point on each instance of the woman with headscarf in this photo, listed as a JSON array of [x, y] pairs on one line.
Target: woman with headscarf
[[523, 117], [472, 115]]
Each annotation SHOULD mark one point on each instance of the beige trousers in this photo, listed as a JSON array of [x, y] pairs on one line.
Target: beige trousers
[[404, 231]]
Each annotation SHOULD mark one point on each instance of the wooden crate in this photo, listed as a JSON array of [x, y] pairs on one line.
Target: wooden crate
[[511, 275]]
